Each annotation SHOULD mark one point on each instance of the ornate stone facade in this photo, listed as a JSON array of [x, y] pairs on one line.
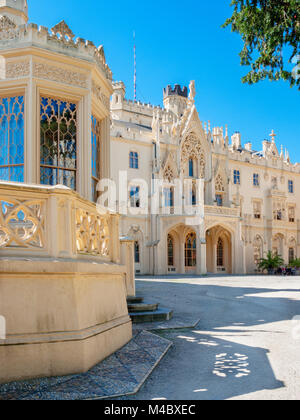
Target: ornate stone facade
[[247, 203]]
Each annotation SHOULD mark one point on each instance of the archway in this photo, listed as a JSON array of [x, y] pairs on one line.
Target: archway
[[218, 250], [173, 251]]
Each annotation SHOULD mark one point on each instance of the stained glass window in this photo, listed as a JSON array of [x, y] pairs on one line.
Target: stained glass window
[[58, 127], [96, 136], [12, 138]]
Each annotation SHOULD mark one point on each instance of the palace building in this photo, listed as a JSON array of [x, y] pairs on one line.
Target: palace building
[[247, 205], [66, 261]]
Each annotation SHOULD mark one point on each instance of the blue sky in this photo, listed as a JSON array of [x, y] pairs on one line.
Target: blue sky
[[176, 42]]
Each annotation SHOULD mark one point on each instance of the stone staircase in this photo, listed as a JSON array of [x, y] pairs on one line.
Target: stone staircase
[[142, 311]]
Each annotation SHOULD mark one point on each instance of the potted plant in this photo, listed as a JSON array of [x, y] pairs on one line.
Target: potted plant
[[271, 263]]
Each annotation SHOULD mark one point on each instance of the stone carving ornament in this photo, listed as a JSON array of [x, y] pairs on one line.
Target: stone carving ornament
[[92, 234], [8, 29], [64, 32], [192, 149], [21, 224], [57, 74]]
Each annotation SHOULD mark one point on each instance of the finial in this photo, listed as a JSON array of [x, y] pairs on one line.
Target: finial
[[273, 136], [226, 130]]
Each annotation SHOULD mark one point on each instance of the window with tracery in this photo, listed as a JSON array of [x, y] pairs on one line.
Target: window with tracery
[[58, 142], [219, 185], [191, 250], [170, 251], [96, 138], [220, 253], [12, 138], [192, 152]]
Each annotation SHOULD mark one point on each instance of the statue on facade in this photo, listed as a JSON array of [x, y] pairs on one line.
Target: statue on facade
[[192, 94]]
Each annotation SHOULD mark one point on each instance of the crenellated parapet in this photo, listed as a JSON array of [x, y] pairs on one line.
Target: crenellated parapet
[[59, 40]]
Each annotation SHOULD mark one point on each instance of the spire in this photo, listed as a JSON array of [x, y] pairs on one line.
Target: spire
[[273, 136], [15, 10]]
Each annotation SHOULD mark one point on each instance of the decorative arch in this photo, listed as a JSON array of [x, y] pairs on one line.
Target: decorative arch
[[292, 246], [170, 171], [219, 184], [192, 149], [219, 249], [277, 244]]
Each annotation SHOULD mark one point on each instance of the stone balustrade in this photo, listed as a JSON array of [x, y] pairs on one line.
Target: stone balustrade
[[55, 222]]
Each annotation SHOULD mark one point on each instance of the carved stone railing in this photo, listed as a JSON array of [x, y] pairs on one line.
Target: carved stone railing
[[222, 211], [55, 222]]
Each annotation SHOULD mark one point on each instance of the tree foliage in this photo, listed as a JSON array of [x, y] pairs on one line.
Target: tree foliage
[[270, 30], [295, 263]]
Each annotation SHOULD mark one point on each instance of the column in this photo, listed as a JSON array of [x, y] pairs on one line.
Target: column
[[181, 257], [84, 150], [31, 136]]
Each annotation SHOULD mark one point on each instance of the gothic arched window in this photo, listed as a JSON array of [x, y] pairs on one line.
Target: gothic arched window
[[220, 253], [137, 257], [191, 167], [191, 250], [170, 251]]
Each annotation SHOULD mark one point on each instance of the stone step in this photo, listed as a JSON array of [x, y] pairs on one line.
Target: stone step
[[161, 314], [134, 299], [142, 307]]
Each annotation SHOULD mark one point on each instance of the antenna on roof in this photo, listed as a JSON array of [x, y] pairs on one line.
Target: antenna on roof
[[134, 79]]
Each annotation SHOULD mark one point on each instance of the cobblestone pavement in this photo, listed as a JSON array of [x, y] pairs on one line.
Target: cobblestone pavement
[[246, 345]]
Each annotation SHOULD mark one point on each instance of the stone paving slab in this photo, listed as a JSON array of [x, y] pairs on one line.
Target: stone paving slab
[[121, 374]]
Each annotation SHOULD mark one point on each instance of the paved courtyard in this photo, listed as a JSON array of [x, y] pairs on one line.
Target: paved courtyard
[[246, 346]]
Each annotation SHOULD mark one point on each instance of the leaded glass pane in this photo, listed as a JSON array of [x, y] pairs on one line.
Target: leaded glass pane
[[58, 142], [12, 138]]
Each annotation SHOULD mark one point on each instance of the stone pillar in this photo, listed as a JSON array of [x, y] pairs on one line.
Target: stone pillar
[[214, 256], [32, 112], [115, 242], [127, 258], [181, 257], [85, 159]]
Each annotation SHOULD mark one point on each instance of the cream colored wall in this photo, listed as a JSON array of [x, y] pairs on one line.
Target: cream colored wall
[[220, 158]]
